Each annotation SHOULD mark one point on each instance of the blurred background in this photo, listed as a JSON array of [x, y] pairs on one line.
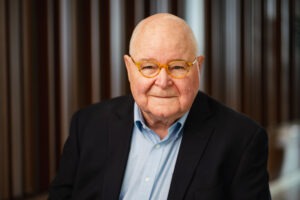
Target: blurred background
[[57, 56]]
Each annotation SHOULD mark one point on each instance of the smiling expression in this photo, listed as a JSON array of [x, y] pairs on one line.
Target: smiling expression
[[163, 97]]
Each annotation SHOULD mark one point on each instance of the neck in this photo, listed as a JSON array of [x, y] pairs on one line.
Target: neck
[[159, 125]]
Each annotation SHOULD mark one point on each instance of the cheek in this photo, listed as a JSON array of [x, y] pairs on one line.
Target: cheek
[[139, 86], [189, 90], [190, 86]]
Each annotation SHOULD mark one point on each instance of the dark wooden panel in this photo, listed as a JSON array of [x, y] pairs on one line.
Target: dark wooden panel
[[147, 7], [56, 58], [252, 59], [295, 57], [129, 26], [15, 96], [285, 61], [173, 7], [5, 166], [218, 82], [208, 47], [95, 51], [51, 88], [232, 53], [41, 68], [270, 62], [57, 81], [29, 119], [105, 49], [82, 81]]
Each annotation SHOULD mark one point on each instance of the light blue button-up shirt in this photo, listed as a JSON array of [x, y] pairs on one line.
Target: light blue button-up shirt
[[151, 161]]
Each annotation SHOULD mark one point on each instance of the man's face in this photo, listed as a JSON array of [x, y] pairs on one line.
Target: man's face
[[163, 97]]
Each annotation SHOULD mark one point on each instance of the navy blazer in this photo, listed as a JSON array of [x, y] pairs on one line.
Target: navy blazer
[[223, 154]]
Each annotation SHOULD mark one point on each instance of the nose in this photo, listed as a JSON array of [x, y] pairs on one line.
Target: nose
[[163, 79]]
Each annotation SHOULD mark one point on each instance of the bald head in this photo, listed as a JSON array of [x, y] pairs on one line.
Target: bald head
[[161, 31]]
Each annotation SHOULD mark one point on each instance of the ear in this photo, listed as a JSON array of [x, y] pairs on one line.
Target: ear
[[127, 61], [200, 60]]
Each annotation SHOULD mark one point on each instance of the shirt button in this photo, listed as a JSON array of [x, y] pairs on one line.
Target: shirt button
[[157, 146], [147, 179]]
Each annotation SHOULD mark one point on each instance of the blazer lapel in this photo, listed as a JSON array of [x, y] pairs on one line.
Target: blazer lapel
[[195, 138], [121, 125]]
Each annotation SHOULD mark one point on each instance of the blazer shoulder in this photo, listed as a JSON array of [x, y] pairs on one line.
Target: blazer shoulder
[[227, 116], [105, 108]]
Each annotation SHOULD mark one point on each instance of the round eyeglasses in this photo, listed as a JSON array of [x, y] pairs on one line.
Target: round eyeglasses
[[175, 68]]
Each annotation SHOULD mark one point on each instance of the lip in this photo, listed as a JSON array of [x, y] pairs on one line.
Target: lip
[[163, 97]]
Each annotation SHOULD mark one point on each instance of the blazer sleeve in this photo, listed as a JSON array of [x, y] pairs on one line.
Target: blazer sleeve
[[63, 183], [251, 180]]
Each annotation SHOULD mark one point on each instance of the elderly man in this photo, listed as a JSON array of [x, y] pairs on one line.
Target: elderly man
[[167, 140]]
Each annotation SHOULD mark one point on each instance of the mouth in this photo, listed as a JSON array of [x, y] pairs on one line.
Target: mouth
[[162, 96]]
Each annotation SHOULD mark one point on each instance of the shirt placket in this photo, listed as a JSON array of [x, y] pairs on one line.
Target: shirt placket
[[151, 169]]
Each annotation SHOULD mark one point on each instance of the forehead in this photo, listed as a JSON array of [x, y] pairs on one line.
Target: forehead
[[167, 38], [163, 45]]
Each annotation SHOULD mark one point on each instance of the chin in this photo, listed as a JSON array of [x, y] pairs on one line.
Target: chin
[[165, 113]]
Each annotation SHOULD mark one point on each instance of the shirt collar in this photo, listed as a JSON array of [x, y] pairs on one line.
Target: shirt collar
[[174, 131]]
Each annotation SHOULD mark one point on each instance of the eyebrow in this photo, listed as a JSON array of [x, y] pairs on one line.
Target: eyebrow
[[153, 59], [148, 59]]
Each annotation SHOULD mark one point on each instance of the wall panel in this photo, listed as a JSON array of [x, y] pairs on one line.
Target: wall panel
[[95, 51], [5, 172], [250, 57], [52, 108], [295, 57], [15, 93], [59, 56], [28, 116]]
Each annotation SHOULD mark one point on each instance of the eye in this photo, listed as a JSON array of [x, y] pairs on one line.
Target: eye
[[149, 69], [177, 67], [148, 66]]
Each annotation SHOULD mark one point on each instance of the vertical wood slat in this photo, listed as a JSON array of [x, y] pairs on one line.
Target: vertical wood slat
[[75, 58], [57, 81], [285, 62], [105, 49], [218, 82], [181, 8], [257, 84], [83, 81], [270, 62], [65, 64], [278, 59], [160, 6], [58, 56], [208, 47], [118, 74], [95, 51], [174, 7], [247, 52], [43, 94], [5, 181], [130, 19], [147, 7], [15, 95], [28, 116], [139, 13], [51, 88], [252, 59], [295, 46], [232, 59]]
